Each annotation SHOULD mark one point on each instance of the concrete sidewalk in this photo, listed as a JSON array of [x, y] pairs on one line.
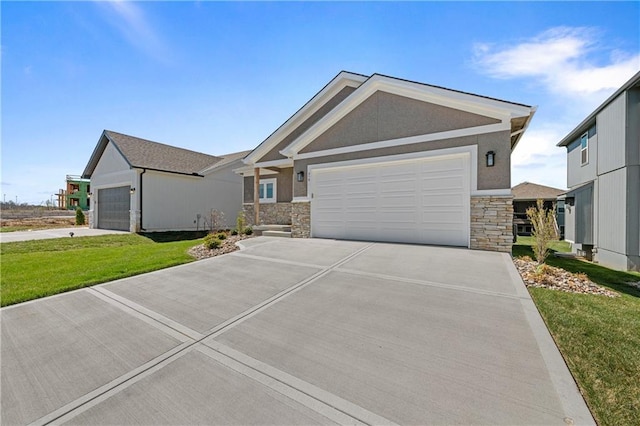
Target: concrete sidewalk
[[8, 237], [293, 331]]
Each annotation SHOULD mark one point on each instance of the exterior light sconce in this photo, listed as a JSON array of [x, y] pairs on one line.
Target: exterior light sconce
[[300, 176], [132, 191], [491, 158]]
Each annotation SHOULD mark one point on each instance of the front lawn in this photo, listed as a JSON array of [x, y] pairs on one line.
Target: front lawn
[[598, 336], [33, 269]]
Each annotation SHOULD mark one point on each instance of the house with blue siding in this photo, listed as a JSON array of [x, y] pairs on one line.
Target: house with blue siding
[[602, 215]]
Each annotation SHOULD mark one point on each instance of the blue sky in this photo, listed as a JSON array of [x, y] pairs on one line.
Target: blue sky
[[219, 77]]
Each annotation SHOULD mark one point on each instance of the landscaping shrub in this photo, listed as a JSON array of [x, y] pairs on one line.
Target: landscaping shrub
[[221, 236], [234, 232], [240, 222], [211, 241], [248, 230], [544, 229], [79, 216]]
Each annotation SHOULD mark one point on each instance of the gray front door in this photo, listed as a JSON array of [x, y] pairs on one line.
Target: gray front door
[[113, 208]]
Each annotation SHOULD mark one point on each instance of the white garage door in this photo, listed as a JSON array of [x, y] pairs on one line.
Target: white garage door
[[113, 208], [423, 201]]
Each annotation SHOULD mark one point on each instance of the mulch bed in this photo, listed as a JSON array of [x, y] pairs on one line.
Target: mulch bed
[[558, 279], [228, 245]]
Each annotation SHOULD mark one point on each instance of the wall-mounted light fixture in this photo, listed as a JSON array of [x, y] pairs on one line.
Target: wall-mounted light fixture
[[132, 191], [90, 194], [491, 158], [300, 176]]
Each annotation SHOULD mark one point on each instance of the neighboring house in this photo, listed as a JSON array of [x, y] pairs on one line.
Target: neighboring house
[[384, 159], [76, 194], [527, 194], [603, 176], [140, 185]]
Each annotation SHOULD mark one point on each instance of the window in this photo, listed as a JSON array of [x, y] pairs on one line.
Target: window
[[584, 149], [267, 190]]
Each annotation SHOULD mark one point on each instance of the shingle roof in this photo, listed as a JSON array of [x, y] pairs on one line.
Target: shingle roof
[[533, 191], [227, 159], [145, 154]]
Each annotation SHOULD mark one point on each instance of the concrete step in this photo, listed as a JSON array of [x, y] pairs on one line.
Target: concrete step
[[285, 234], [283, 228]]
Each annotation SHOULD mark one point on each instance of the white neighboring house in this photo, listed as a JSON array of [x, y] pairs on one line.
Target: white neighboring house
[[144, 186]]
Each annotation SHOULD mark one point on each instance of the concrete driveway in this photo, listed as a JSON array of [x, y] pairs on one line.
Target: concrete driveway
[[45, 234], [292, 331]]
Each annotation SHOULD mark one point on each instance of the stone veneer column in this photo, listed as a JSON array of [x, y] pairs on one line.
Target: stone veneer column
[[301, 220], [492, 223]]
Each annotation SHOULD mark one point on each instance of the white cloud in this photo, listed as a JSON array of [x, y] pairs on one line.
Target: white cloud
[[537, 159], [129, 19], [563, 58]]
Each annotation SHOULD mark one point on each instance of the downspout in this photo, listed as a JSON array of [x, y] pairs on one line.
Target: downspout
[[143, 172]]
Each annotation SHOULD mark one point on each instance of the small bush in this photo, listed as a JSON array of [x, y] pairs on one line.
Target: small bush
[[79, 216], [544, 229], [248, 230], [221, 236], [234, 232], [240, 222], [212, 242]]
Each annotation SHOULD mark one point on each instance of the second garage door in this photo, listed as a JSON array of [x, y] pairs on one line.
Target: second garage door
[[423, 201], [113, 208]]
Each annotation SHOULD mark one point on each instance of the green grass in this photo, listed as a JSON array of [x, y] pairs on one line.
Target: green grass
[[33, 269], [598, 336]]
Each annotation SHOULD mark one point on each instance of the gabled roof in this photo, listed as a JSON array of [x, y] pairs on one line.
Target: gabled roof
[[226, 160], [590, 120], [533, 191], [517, 116], [343, 79], [145, 154]]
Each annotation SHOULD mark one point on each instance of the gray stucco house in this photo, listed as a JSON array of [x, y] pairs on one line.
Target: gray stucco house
[[603, 176], [385, 159]]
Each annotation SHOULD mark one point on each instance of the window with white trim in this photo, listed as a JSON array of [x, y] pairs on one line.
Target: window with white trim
[[584, 149], [267, 190]]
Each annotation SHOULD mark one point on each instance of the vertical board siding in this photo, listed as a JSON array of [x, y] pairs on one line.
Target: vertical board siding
[[612, 199], [611, 133], [578, 174]]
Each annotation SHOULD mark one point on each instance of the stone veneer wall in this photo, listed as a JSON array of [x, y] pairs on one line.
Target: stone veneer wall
[[492, 223], [301, 220], [270, 214]]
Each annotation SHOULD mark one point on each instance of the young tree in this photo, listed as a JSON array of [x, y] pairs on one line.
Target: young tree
[[544, 229]]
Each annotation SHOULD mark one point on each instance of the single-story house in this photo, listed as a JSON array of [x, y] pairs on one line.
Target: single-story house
[[140, 185], [527, 194], [385, 159], [603, 177]]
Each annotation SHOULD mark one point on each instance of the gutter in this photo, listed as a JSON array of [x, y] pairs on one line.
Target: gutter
[[143, 172]]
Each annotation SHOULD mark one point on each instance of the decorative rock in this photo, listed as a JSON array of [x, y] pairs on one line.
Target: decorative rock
[[228, 245], [558, 279]]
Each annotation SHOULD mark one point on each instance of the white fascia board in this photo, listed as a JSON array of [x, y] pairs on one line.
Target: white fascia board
[[469, 150], [499, 110], [469, 131], [263, 172], [285, 162], [339, 82], [491, 192]]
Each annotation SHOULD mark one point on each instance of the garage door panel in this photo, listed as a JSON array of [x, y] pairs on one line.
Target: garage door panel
[[114, 205], [416, 201]]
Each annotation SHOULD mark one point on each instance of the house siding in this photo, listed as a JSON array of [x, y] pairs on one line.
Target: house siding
[[577, 174], [611, 223], [497, 177], [284, 186], [173, 202], [384, 116], [274, 153], [611, 130]]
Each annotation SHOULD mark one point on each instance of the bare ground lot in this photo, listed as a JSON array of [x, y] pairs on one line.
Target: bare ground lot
[[37, 218]]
